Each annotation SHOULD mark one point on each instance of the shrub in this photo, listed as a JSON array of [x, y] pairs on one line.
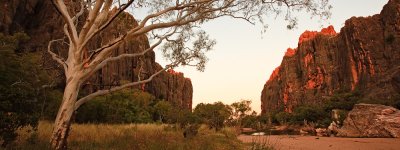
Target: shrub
[[283, 117], [309, 113], [127, 106], [191, 130], [344, 101], [214, 115], [250, 121]]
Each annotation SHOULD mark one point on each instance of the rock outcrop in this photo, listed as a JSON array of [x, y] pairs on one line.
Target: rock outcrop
[[42, 23], [371, 120], [362, 57]]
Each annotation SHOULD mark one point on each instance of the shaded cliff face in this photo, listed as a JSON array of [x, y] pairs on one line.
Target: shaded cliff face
[[170, 86], [364, 56], [42, 23]]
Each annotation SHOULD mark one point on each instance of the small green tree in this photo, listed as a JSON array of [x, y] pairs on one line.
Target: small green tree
[[214, 115], [251, 121], [240, 110], [283, 117], [162, 110], [309, 113]]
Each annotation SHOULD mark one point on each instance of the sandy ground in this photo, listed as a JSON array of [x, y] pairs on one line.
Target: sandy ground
[[296, 142]]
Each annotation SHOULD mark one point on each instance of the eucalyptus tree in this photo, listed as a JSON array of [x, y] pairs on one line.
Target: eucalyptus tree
[[173, 24]]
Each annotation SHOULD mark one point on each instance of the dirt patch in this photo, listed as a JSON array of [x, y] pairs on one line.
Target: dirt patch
[[296, 142]]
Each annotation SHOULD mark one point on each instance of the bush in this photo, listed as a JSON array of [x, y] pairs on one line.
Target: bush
[[344, 101], [191, 130], [309, 113], [250, 121], [214, 115], [283, 117], [127, 106]]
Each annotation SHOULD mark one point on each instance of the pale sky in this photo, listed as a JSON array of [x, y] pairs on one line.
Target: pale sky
[[243, 59]]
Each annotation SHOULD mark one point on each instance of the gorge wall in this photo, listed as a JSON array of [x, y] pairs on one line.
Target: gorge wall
[[363, 57], [42, 23]]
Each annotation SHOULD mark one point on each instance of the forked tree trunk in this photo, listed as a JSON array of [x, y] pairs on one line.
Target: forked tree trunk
[[62, 123]]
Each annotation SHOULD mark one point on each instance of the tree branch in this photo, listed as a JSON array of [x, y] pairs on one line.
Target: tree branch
[[67, 18], [90, 19], [103, 63], [54, 56], [106, 24], [104, 92]]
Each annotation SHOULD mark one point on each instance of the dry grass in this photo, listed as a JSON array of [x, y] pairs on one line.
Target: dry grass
[[131, 136]]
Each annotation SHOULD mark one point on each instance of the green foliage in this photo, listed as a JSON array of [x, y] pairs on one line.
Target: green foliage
[[283, 117], [309, 113], [162, 110], [12, 43], [19, 85], [344, 101], [241, 108], [320, 114], [214, 115], [391, 100], [250, 121], [120, 107], [133, 106], [239, 111], [51, 102]]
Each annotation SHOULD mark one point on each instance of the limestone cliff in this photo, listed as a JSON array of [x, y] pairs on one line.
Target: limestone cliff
[[364, 56], [42, 23]]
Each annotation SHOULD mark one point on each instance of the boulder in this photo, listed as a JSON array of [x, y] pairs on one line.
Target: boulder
[[332, 129], [321, 132], [371, 120]]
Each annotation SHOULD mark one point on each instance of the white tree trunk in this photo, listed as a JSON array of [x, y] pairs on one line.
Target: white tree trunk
[[63, 120]]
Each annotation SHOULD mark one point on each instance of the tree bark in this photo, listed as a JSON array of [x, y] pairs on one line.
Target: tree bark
[[63, 120]]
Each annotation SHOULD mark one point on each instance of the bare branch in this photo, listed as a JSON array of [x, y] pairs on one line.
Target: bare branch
[[54, 56], [80, 13], [104, 51], [62, 8], [90, 19], [103, 63], [106, 24]]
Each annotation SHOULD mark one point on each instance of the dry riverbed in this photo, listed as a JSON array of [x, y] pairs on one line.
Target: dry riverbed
[[296, 142]]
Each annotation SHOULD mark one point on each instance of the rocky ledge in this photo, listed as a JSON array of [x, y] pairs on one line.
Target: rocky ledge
[[371, 120]]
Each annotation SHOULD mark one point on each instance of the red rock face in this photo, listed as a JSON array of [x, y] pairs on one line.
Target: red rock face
[[274, 74], [290, 52], [45, 24], [308, 35], [362, 57]]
